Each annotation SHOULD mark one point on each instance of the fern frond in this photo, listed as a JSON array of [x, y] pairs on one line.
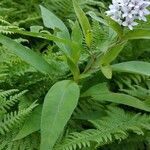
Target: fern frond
[[128, 80], [4, 30], [7, 142], [88, 109], [134, 85], [4, 21], [15, 118], [134, 142], [139, 92], [115, 126], [8, 92], [99, 35], [7, 103]]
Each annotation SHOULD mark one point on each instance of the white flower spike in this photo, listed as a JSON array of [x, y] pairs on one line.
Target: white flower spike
[[125, 12]]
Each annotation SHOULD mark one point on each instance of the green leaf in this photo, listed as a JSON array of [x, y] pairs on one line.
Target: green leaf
[[72, 52], [49, 37], [36, 29], [107, 21], [76, 48], [114, 25], [76, 33], [124, 99], [107, 71], [52, 21], [136, 67], [74, 69], [77, 37], [32, 124], [100, 92], [70, 49], [59, 104], [27, 55], [137, 34], [84, 22], [96, 89], [99, 19], [112, 53]]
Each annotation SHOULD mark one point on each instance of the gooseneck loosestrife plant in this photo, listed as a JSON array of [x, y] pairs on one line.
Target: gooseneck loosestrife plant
[[126, 12], [80, 73]]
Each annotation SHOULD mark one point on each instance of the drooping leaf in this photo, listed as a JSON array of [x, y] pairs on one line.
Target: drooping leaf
[[137, 34], [32, 124], [100, 92], [49, 37], [76, 47], [136, 67], [124, 99], [58, 107], [72, 49], [26, 54], [84, 22]]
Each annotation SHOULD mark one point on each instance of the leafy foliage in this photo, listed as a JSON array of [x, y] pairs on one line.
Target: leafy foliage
[[11, 120], [52, 49], [114, 126]]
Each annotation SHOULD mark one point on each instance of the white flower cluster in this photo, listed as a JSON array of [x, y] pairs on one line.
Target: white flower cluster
[[125, 12]]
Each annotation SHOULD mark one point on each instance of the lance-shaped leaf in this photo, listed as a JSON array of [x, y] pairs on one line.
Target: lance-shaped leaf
[[107, 21], [107, 71], [100, 92], [70, 49], [137, 34], [58, 107], [95, 17], [124, 99], [136, 67], [111, 53], [75, 45], [27, 55], [77, 37], [114, 25], [83, 20], [51, 21]]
